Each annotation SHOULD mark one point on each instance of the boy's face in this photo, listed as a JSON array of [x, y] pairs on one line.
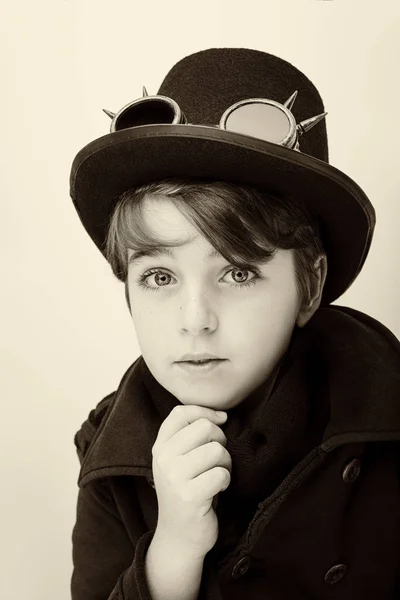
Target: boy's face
[[198, 305]]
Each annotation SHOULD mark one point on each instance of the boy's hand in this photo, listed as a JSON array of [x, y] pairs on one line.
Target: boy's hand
[[190, 467]]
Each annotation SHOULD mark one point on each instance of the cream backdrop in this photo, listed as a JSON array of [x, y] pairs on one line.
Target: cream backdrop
[[67, 336]]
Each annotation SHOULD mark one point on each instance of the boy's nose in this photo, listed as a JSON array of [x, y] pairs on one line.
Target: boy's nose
[[198, 313]]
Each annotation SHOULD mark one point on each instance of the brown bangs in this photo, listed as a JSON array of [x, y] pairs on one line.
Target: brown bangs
[[243, 223]]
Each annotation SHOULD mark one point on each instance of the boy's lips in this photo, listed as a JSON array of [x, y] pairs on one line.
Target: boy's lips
[[199, 356], [198, 368]]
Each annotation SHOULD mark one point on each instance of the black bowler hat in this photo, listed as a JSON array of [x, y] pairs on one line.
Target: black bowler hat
[[238, 115]]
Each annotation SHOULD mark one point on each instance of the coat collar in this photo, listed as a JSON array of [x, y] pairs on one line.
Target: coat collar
[[364, 395]]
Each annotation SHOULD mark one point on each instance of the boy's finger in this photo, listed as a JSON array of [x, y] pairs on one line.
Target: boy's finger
[[183, 415]]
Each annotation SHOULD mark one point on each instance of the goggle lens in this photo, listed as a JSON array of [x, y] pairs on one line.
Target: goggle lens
[[263, 121], [149, 112]]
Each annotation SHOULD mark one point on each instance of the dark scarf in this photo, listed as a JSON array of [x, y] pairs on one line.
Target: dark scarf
[[269, 432]]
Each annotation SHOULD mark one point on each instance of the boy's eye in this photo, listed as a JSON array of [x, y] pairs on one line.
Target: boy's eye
[[162, 278]]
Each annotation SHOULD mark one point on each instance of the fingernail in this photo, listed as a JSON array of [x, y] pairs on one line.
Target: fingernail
[[221, 414]]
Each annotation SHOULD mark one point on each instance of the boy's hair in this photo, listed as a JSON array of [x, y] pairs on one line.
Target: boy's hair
[[245, 224]]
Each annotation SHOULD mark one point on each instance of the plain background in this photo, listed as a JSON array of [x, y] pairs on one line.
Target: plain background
[[67, 337]]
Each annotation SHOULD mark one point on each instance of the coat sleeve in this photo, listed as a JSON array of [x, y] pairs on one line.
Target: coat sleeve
[[108, 564]]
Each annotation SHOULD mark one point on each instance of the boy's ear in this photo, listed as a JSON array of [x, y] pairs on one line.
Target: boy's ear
[[307, 311]]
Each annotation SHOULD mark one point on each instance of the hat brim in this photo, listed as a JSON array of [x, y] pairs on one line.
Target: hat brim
[[113, 163]]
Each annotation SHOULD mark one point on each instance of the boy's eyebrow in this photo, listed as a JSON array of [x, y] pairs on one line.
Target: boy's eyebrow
[[162, 251]]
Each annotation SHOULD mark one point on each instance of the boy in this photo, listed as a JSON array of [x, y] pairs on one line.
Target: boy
[[239, 216]]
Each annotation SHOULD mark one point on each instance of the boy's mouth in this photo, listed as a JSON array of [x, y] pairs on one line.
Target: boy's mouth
[[202, 362], [200, 366], [199, 358]]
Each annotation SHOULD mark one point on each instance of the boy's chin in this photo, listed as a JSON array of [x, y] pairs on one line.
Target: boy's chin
[[205, 395]]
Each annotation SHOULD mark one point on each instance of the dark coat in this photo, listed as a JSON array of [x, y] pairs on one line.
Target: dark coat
[[330, 530]]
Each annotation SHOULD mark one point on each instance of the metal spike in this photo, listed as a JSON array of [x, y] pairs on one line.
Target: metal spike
[[306, 125], [290, 101], [144, 92], [109, 113]]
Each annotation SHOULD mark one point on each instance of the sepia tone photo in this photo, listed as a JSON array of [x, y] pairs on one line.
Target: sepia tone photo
[[201, 357]]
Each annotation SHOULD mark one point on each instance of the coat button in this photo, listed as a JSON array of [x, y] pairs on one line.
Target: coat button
[[335, 574], [150, 480], [351, 471], [241, 567]]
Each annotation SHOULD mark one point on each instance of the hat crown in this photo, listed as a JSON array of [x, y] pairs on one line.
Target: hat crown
[[206, 83], [204, 87]]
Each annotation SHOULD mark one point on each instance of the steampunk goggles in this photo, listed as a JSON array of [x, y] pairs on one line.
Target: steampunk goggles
[[257, 117]]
